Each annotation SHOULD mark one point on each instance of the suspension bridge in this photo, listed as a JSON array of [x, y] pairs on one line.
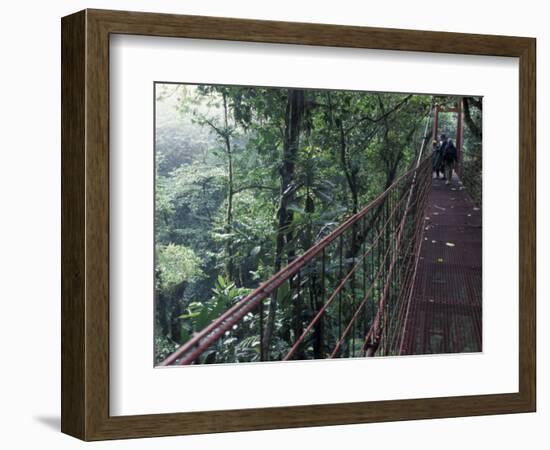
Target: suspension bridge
[[400, 277]]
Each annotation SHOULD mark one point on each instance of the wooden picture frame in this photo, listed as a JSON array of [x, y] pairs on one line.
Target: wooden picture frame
[[85, 224]]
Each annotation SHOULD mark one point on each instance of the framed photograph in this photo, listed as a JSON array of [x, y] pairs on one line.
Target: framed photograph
[[271, 225]]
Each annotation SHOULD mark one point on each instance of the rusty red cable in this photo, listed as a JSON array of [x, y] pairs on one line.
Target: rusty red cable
[[241, 308], [206, 337]]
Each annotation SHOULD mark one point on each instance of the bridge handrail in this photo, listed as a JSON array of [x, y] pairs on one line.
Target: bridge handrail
[[208, 335]]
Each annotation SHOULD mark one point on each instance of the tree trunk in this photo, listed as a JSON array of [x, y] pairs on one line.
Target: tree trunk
[[293, 119], [230, 194], [162, 314], [176, 310], [351, 176], [476, 131]]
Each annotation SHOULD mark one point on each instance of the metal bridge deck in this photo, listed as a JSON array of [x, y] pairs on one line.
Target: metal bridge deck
[[445, 308]]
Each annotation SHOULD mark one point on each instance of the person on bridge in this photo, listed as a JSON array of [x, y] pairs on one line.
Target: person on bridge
[[437, 157], [449, 156]]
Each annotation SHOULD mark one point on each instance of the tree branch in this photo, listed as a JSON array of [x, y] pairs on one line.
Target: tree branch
[[384, 115], [253, 186]]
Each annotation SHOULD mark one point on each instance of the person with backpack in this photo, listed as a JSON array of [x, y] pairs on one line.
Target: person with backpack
[[437, 157], [449, 155]]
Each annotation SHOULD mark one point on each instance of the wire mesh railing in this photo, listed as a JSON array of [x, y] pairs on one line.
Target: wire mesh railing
[[348, 292]]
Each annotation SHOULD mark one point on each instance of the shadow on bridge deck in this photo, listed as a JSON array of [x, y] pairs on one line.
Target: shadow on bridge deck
[[445, 308]]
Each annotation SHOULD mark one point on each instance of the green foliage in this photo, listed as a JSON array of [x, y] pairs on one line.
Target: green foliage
[[219, 190], [163, 346], [199, 314], [176, 264]]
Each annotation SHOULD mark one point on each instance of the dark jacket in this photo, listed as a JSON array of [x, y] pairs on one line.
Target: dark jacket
[[449, 152], [437, 157]]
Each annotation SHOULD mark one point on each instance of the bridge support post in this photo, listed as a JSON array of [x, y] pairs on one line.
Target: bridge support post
[[459, 137], [436, 122]]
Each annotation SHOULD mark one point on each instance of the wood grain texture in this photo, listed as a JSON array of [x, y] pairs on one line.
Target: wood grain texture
[[73, 226], [527, 225], [85, 224]]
